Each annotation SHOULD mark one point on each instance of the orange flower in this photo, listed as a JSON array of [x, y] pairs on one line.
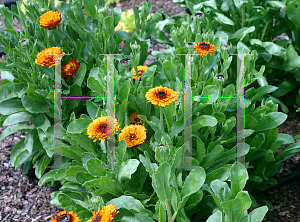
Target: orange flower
[[205, 47], [141, 70], [65, 216], [134, 135], [106, 214], [50, 20], [47, 57], [70, 68], [98, 129], [161, 96], [134, 119]]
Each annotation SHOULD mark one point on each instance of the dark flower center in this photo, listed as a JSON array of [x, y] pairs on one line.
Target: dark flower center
[[220, 76], [97, 217], [136, 119], [103, 127], [199, 15], [124, 61], [204, 46], [132, 136], [140, 72], [190, 43], [161, 93], [64, 218]]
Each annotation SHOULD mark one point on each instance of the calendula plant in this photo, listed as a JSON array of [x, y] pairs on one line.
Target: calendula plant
[[48, 38], [251, 25]]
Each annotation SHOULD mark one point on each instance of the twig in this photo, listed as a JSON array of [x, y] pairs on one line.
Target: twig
[[36, 218], [6, 217]]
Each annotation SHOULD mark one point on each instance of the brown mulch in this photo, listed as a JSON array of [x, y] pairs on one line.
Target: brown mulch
[[23, 200]]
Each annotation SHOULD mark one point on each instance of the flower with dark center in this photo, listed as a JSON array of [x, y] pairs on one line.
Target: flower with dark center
[[50, 20], [99, 129], [141, 70], [220, 77], [47, 57], [134, 119], [205, 47], [134, 135], [106, 214], [199, 15], [161, 96], [70, 69], [124, 62], [65, 216]]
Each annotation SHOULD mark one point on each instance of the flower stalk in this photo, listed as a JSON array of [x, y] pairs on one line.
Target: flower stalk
[[169, 211], [161, 119], [60, 36]]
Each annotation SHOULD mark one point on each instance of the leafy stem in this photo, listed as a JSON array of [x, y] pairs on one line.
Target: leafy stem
[[169, 211], [60, 36]]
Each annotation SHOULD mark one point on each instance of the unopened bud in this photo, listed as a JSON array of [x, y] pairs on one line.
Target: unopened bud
[[220, 77], [124, 62], [24, 42], [199, 15], [226, 47], [189, 45]]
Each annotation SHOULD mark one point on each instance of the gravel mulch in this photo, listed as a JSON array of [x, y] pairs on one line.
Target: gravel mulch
[[23, 200]]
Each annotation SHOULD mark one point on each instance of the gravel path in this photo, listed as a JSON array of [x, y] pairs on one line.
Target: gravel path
[[23, 200]]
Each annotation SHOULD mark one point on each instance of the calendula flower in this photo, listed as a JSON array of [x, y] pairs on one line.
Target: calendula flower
[[99, 129], [134, 135], [50, 20], [65, 216], [47, 57], [161, 96], [205, 47], [106, 214], [134, 119], [70, 68], [141, 70]]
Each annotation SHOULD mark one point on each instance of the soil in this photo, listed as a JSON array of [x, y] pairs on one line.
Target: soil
[[23, 200]]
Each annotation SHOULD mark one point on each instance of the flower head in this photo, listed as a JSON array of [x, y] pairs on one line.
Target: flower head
[[199, 15], [134, 119], [134, 135], [189, 45], [141, 70], [106, 214], [65, 216], [47, 57], [50, 20], [226, 47], [124, 62], [161, 96], [70, 68], [205, 47], [100, 129], [24, 42]]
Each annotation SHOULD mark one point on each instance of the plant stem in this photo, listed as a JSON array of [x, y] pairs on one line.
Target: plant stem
[[212, 134], [161, 119], [60, 36], [168, 211], [243, 12]]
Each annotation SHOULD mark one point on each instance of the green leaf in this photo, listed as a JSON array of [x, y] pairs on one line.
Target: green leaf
[[211, 157], [270, 121], [35, 105], [177, 127], [238, 178], [17, 118], [90, 8], [291, 59], [223, 19], [161, 182], [47, 177], [193, 182], [96, 168], [116, 14], [11, 106], [41, 164], [204, 120], [285, 138], [78, 125], [61, 173], [10, 90], [92, 109], [217, 216], [209, 95], [15, 128], [127, 169], [105, 183], [284, 88], [258, 214], [80, 74], [297, 137], [77, 10], [169, 70], [221, 190]]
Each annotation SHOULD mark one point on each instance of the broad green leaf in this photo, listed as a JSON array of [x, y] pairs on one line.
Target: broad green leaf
[[47, 177], [221, 190], [270, 121], [80, 75], [129, 203], [10, 90], [78, 125], [92, 109], [15, 128], [11, 106], [105, 183], [193, 182], [217, 216], [223, 19], [17, 118], [77, 10], [34, 105], [61, 173], [161, 182], [238, 179], [96, 168], [204, 120], [90, 8], [285, 138], [41, 164], [284, 88], [258, 214], [127, 169]]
